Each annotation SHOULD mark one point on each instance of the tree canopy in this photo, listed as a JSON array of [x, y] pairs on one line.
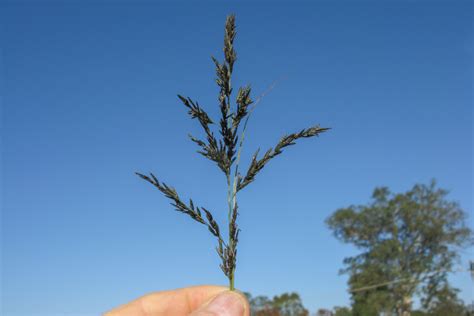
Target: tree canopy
[[408, 243], [287, 304]]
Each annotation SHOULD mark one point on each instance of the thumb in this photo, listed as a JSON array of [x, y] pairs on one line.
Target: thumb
[[224, 304]]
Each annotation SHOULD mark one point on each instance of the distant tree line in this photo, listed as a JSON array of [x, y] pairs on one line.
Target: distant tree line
[[287, 304], [408, 245], [290, 304]]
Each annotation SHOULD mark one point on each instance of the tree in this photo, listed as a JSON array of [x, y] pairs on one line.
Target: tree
[[342, 311], [261, 306], [324, 312], [408, 244], [290, 304], [447, 303], [287, 304]]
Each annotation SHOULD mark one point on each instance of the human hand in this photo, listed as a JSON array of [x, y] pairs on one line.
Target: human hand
[[192, 301]]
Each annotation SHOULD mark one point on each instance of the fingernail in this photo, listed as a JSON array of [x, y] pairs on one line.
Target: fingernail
[[225, 304]]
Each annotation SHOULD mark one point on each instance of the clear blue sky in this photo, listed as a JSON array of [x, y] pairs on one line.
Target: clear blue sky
[[89, 97]]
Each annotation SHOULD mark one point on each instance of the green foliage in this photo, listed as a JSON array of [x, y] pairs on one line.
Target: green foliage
[[225, 151], [287, 304], [408, 244], [342, 311], [324, 312], [447, 303]]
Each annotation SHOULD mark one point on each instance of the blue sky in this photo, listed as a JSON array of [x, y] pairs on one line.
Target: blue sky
[[89, 97]]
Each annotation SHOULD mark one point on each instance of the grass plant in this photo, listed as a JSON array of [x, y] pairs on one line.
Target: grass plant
[[225, 151]]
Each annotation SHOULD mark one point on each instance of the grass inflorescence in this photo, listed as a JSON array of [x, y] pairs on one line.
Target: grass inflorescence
[[224, 150]]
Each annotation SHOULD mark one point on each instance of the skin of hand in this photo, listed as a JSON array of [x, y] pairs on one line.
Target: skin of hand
[[206, 300]]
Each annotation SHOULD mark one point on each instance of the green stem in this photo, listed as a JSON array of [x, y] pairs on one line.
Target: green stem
[[231, 282], [229, 198], [230, 203]]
